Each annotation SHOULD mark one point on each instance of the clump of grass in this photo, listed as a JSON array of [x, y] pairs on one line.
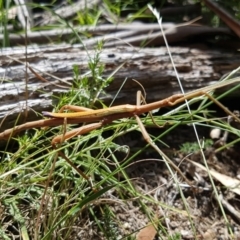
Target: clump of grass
[[34, 178], [43, 197], [4, 10]]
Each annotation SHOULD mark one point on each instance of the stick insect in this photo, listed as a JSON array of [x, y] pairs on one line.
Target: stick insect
[[98, 118]]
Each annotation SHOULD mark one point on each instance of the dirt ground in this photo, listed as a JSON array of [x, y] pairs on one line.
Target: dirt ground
[[204, 219]]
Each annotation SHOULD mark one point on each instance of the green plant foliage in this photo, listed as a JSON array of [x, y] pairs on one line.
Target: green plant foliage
[[190, 147], [43, 197]]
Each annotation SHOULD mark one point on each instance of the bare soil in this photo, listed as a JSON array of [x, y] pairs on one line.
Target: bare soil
[[150, 176]]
